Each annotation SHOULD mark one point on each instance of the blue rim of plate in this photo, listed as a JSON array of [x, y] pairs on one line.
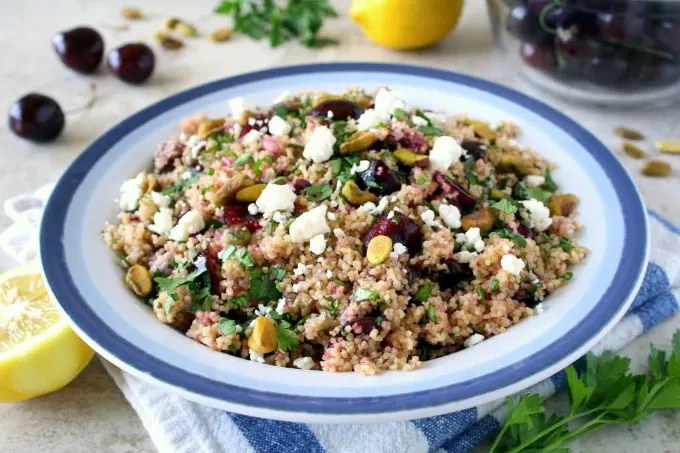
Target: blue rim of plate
[[56, 272]]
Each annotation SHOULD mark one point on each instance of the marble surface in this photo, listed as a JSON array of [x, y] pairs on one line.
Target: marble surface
[[91, 414]]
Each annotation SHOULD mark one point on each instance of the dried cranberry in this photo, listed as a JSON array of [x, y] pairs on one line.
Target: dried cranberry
[[299, 185], [253, 124], [455, 193], [525, 231], [454, 274], [399, 228], [388, 143], [474, 148], [522, 295], [214, 269], [236, 214], [380, 179], [341, 108]]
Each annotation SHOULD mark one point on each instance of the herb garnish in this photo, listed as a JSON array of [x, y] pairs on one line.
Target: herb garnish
[[287, 339], [332, 306], [506, 206], [565, 244], [494, 285], [182, 184], [549, 183], [243, 159], [505, 234], [400, 114], [227, 326], [431, 314], [538, 194], [297, 19], [318, 192], [604, 394], [240, 254], [240, 301], [365, 294], [424, 292]]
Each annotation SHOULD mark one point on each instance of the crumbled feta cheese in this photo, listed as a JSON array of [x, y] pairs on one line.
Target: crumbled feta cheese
[[130, 192], [197, 148], [279, 127], [319, 148], [386, 101], [309, 224], [283, 97], [238, 107], [300, 270], [535, 180], [329, 273], [160, 200], [276, 197], [236, 130], [304, 363], [332, 217], [539, 214], [183, 137], [450, 214], [334, 204], [419, 120], [256, 356], [371, 208], [252, 136], [262, 310], [190, 223], [428, 218], [390, 214], [445, 152], [338, 233], [473, 340], [464, 256], [297, 287], [317, 244], [512, 264], [361, 167], [193, 140], [162, 222], [280, 306], [330, 114], [398, 249], [259, 122], [436, 118], [186, 175], [279, 217], [252, 209], [368, 120], [539, 308], [251, 121], [471, 239]]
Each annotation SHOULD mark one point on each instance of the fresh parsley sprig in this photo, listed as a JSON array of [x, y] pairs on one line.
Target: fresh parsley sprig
[[604, 394], [297, 19]]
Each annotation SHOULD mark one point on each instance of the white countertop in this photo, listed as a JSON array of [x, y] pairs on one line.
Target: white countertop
[[91, 414]]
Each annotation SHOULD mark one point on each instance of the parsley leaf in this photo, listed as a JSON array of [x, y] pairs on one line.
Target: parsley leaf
[[227, 326], [549, 183], [431, 131], [567, 276], [494, 285], [170, 284], [424, 292], [240, 301], [318, 192], [263, 287], [565, 244], [480, 292], [400, 114], [242, 255], [506, 206], [332, 306], [431, 314], [259, 162], [505, 234], [538, 194], [182, 184], [365, 294], [243, 159], [287, 339]]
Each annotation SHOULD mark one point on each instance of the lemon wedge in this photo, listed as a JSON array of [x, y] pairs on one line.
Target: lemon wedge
[[39, 353], [406, 24]]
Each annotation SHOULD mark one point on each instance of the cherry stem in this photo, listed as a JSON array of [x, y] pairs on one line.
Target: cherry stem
[[90, 101]]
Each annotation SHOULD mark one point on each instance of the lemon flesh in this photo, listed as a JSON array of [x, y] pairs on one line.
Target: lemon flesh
[[406, 24], [39, 353]]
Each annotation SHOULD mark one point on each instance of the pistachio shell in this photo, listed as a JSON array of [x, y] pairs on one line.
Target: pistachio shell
[[147, 208], [482, 219], [379, 249], [509, 163], [497, 194], [131, 13], [408, 157], [482, 128], [170, 23], [238, 235], [263, 338], [562, 205], [250, 194], [657, 168], [633, 150], [628, 134], [226, 192], [358, 142], [150, 183], [138, 279], [355, 195], [209, 127], [221, 34], [185, 29], [668, 146]]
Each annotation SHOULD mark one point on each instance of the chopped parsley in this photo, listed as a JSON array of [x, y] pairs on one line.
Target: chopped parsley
[[213, 223], [378, 321], [211, 171], [227, 326], [480, 292], [169, 284], [549, 183], [259, 162], [182, 184], [506, 206], [505, 234], [538, 194], [424, 292], [568, 276], [286, 339], [277, 180], [400, 114], [296, 146], [494, 285], [432, 314], [272, 227], [240, 301], [263, 287], [318, 192], [423, 180], [281, 111], [242, 255], [332, 306], [431, 131], [342, 167], [365, 294], [243, 159], [565, 244]]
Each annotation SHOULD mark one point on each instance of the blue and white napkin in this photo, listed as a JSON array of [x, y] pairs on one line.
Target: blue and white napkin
[[180, 426]]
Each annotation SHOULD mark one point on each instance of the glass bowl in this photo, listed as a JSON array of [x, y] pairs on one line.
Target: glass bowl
[[611, 53]]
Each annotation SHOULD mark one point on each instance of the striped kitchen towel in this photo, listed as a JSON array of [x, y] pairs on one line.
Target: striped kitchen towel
[[180, 426]]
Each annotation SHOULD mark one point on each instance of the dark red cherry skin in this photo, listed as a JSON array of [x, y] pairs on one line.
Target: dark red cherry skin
[[81, 48], [454, 193], [475, 149], [525, 231], [453, 274], [542, 58], [132, 63], [299, 185], [399, 228], [380, 179], [341, 108], [237, 214], [36, 117]]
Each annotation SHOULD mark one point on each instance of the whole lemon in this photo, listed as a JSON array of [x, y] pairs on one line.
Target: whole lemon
[[406, 24]]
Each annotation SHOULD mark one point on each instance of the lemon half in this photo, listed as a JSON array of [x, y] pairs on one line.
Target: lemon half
[[39, 353], [406, 24]]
